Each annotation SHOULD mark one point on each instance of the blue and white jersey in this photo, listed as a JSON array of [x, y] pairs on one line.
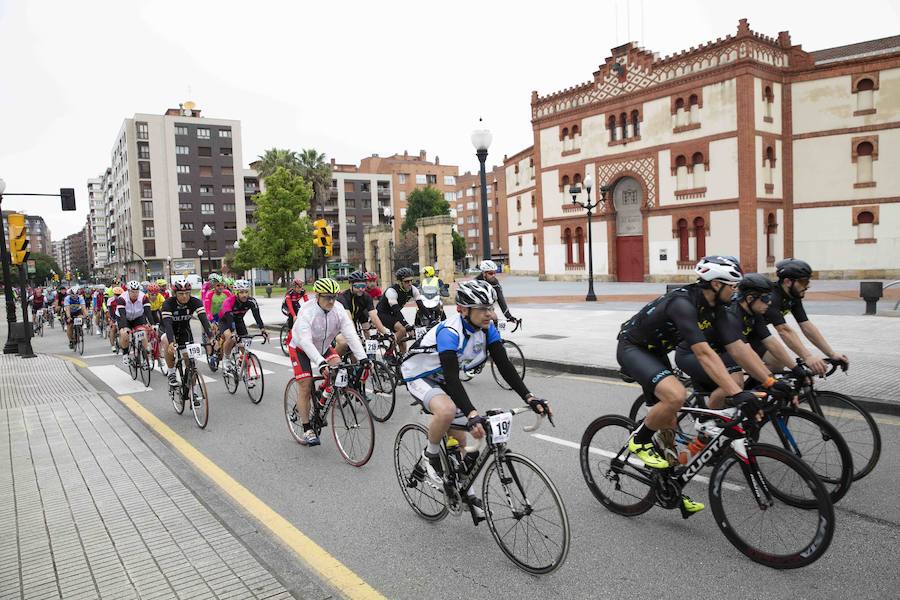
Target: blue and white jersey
[[75, 304], [454, 334]]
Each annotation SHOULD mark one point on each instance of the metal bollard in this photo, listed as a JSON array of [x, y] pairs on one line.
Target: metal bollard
[[871, 292]]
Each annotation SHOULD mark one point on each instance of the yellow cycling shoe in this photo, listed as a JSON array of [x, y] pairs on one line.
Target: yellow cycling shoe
[[689, 507], [647, 454]]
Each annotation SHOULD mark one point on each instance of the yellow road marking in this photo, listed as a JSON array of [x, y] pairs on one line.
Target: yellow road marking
[[319, 560], [72, 359]]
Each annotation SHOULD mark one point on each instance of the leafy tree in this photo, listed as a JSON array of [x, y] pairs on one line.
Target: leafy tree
[[44, 265], [424, 202], [277, 157], [459, 246], [281, 238]]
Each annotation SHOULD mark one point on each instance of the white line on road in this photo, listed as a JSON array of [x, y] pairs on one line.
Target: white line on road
[[278, 359], [633, 461], [117, 379], [106, 355]]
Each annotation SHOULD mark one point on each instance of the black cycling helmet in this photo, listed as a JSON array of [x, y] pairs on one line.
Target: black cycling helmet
[[357, 277], [793, 268], [404, 272], [754, 283]]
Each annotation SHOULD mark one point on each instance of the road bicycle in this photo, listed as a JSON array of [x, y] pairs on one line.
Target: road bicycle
[[380, 386], [157, 356], [245, 367], [39, 319], [191, 387], [523, 509], [516, 356], [283, 337], [78, 335], [768, 503], [337, 397], [138, 357]]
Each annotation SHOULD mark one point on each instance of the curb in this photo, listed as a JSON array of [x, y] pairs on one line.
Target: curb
[[874, 405]]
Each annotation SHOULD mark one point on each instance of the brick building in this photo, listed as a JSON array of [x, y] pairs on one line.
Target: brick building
[[468, 213]]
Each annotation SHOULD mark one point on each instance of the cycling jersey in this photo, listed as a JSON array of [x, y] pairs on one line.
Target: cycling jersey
[[75, 303], [782, 304], [739, 324], [233, 311], [682, 315], [213, 301], [392, 302], [455, 334], [157, 302], [314, 330], [358, 306], [177, 319], [293, 300], [38, 302], [375, 293], [132, 314], [501, 299]]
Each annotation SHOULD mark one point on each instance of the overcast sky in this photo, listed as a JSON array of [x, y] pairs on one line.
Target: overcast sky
[[347, 78]]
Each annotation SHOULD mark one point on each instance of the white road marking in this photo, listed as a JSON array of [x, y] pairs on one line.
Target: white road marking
[[106, 355], [633, 461], [117, 379], [278, 359]]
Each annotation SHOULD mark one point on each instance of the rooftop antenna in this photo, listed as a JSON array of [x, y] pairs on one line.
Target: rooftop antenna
[[628, 18], [616, 6]]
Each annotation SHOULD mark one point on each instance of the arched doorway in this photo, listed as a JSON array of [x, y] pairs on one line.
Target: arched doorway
[[628, 197]]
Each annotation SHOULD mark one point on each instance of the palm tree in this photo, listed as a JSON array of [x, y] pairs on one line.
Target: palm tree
[[276, 157], [315, 170]]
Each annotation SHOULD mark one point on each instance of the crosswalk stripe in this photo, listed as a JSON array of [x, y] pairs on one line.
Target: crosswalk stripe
[[278, 359], [117, 379]]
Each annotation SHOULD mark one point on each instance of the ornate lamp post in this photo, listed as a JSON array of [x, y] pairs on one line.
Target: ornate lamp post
[[589, 206], [207, 233], [481, 139], [200, 254]]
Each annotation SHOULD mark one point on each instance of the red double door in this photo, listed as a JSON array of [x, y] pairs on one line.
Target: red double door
[[630, 258]]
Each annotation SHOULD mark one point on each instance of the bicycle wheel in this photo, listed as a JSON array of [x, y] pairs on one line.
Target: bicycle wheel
[[175, 393], [291, 414], [282, 338], [516, 357], [525, 514], [816, 442], [608, 469], [231, 379], [253, 378], [79, 342], [352, 426], [426, 499], [855, 425], [199, 399], [133, 361], [781, 534], [144, 366], [381, 391], [639, 409]]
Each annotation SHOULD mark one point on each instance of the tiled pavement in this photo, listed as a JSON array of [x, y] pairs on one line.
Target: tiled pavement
[[87, 510]]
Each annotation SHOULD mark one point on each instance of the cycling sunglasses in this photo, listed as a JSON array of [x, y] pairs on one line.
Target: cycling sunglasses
[[767, 298], [359, 286], [407, 281], [327, 297]]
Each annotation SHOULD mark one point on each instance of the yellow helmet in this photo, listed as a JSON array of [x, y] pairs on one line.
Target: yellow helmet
[[326, 285], [429, 271]]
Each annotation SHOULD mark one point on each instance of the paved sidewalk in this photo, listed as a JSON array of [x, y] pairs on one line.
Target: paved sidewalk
[[87, 510], [580, 338]]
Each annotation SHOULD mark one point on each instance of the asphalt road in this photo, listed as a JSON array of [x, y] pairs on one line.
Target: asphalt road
[[360, 516]]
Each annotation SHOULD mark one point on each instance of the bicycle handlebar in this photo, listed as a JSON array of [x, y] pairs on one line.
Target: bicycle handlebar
[[539, 418]]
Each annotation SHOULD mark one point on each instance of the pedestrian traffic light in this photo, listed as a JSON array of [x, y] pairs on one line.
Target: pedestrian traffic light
[[67, 197], [322, 236], [18, 239]]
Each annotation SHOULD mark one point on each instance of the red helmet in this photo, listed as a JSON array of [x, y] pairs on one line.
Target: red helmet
[[297, 282], [181, 285], [153, 288], [371, 277]]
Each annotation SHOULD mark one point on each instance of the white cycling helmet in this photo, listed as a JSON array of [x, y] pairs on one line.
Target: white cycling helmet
[[488, 265], [476, 294], [719, 268], [241, 285], [133, 286]]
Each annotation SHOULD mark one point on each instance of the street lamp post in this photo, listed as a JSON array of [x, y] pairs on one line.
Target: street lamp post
[[207, 232], [588, 184], [12, 345], [481, 139], [200, 255], [169, 269]]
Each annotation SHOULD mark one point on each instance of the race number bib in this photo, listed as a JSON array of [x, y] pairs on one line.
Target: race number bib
[[501, 427], [78, 321], [420, 331], [501, 325], [139, 335], [341, 379], [248, 342], [193, 350], [371, 347]]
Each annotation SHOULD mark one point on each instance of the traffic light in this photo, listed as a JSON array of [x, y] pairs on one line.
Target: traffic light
[[18, 239], [67, 198], [322, 237]]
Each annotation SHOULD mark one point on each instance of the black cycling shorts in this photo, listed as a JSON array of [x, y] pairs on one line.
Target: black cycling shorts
[[133, 323], [387, 320], [687, 361], [645, 367], [239, 327]]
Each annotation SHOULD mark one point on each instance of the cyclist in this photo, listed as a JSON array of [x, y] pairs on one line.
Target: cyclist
[[646, 338], [488, 273], [163, 287], [156, 298], [111, 302], [176, 313], [372, 286], [315, 329], [210, 283], [431, 373], [390, 307], [360, 305], [97, 306], [793, 282], [293, 300], [132, 310], [73, 306], [231, 319], [38, 302], [214, 299], [431, 307]]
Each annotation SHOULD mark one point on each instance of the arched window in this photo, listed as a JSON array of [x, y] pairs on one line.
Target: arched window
[[864, 156], [865, 226], [693, 109], [680, 116], [579, 245], [519, 211], [681, 173], [611, 124], [700, 235], [564, 138], [769, 98], [565, 132], [865, 94], [636, 123], [699, 170], [574, 130], [565, 184], [576, 181], [520, 245], [684, 254], [623, 123], [534, 244], [771, 230]]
